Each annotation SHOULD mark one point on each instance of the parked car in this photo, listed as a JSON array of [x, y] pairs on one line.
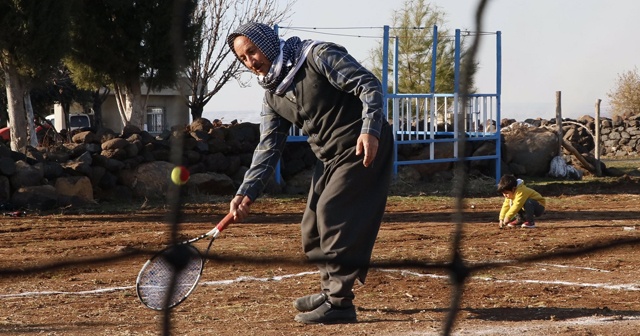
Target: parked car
[[76, 121]]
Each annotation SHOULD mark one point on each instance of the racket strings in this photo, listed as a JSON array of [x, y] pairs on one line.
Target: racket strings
[[154, 280]]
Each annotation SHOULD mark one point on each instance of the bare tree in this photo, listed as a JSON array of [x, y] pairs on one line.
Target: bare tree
[[217, 65], [625, 96]]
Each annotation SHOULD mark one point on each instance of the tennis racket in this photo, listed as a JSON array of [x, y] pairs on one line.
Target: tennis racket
[[172, 274]]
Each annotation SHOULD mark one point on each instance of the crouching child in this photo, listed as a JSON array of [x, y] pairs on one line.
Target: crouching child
[[521, 204]]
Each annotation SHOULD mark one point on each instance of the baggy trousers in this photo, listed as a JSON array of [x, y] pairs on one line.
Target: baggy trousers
[[343, 216], [530, 210]]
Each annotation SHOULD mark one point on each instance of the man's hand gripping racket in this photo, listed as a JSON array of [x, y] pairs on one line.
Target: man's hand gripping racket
[[172, 274]]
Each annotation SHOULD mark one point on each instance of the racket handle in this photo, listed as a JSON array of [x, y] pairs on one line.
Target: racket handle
[[228, 219]]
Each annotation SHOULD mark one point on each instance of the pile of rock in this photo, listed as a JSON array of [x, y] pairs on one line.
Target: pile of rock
[[92, 167], [619, 136], [134, 164]]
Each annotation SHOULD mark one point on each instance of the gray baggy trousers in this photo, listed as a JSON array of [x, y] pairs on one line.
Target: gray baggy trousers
[[343, 216]]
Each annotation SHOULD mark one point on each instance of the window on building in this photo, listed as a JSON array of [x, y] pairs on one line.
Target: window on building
[[155, 120]]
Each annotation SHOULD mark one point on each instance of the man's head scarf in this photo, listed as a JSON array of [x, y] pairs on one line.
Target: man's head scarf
[[284, 55], [263, 36]]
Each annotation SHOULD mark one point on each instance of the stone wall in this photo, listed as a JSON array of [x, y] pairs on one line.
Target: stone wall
[[618, 136], [621, 138], [103, 166], [93, 167]]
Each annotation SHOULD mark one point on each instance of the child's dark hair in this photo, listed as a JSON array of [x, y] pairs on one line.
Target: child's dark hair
[[507, 182]]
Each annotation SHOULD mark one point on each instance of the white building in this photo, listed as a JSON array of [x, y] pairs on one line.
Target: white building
[[165, 108]]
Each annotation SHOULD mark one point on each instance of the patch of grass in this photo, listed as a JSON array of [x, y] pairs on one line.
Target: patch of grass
[[627, 165], [419, 199]]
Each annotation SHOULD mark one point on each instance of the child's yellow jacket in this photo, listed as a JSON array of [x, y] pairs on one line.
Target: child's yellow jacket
[[511, 207]]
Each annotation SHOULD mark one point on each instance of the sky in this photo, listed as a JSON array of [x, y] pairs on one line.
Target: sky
[[577, 47]]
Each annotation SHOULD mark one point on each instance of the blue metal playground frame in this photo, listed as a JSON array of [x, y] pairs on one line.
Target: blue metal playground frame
[[476, 109]]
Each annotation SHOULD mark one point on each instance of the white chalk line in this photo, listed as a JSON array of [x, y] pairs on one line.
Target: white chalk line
[[250, 278], [626, 287], [550, 265], [575, 267], [86, 292], [203, 283]]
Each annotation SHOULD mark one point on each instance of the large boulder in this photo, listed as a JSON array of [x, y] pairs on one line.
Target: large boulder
[[86, 137], [528, 149], [75, 187], [27, 175], [148, 180], [7, 166], [79, 166], [440, 150], [211, 184], [39, 197]]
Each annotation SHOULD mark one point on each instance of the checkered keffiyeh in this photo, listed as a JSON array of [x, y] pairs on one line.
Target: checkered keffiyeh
[[284, 55], [261, 35]]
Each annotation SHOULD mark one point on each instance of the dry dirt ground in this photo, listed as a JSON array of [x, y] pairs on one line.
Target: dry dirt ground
[[48, 286]]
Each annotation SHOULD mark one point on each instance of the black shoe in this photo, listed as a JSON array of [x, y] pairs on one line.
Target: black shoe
[[310, 302], [328, 314]]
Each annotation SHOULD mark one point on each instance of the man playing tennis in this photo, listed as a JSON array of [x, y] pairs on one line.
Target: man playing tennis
[[320, 88]]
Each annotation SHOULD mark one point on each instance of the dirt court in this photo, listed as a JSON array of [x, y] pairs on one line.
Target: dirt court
[[259, 269]]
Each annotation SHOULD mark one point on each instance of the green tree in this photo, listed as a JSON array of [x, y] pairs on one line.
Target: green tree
[[207, 74], [133, 43], [33, 38], [413, 27], [60, 89], [625, 96], [93, 83]]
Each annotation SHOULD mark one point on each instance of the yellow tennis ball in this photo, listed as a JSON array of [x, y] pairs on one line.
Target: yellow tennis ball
[[180, 175]]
